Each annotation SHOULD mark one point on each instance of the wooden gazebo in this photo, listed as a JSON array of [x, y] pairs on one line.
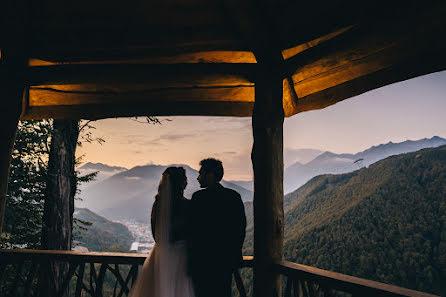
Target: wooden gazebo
[[91, 59]]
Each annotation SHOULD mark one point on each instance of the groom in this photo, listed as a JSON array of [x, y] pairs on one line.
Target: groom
[[217, 232]]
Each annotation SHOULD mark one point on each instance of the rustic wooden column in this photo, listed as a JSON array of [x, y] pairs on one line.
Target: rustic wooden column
[[13, 61], [10, 95], [267, 160]]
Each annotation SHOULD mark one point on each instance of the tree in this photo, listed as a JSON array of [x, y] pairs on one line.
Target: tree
[[26, 186], [59, 202]]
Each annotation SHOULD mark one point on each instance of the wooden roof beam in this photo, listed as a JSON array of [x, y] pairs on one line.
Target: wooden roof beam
[[257, 27], [320, 50], [133, 73]]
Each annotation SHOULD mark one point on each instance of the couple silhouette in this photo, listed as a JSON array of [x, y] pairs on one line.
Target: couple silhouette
[[198, 242]]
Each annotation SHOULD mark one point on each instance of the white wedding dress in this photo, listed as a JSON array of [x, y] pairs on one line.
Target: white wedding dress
[[164, 273]]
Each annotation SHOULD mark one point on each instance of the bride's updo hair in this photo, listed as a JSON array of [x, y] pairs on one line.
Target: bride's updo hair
[[177, 177]]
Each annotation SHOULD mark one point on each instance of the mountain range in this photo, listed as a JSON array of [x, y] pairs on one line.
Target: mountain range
[[386, 222], [129, 194], [119, 193], [299, 173]]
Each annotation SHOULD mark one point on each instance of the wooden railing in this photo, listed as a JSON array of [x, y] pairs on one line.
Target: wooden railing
[[91, 273], [307, 281]]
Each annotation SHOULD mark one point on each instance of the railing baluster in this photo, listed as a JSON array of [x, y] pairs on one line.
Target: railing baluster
[[116, 281], [239, 283], [100, 280], [80, 280], [305, 290], [127, 280], [134, 274], [289, 286], [93, 279], [88, 290], [119, 279], [67, 279], [297, 292]]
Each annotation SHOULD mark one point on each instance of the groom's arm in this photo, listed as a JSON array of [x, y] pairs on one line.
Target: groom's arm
[[241, 216]]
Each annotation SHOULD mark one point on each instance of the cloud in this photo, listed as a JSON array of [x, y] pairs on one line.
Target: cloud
[[132, 177], [227, 153], [292, 155], [170, 138]]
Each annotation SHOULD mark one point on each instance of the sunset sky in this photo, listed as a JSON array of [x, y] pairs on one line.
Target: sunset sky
[[412, 109]]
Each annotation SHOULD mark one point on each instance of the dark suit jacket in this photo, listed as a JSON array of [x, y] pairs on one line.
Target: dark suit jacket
[[216, 230]]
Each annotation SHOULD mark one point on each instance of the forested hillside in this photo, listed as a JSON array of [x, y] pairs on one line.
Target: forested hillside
[[386, 222], [102, 235]]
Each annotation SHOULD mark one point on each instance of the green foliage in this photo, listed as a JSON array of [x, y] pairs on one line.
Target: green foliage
[[386, 222], [27, 183], [26, 187]]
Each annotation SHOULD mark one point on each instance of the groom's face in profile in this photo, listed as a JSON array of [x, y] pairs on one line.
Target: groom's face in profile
[[205, 179], [202, 178]]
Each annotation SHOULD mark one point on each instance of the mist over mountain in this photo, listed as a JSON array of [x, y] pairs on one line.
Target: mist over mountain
[[129, 194], [298, 174], [103, 172], [303, 156]]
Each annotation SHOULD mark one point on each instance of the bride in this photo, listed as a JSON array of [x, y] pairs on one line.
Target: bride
[[164, 273]]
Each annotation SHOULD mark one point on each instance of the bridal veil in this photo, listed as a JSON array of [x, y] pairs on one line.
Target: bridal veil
[[164, 273]]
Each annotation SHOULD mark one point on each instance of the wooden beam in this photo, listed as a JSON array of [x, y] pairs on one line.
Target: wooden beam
[[135, 73], [13, 59], [219, 101], [431, 62], [95, 112], [258, 28], [267, 160], [11, 91], [340, 41], [344, 283]]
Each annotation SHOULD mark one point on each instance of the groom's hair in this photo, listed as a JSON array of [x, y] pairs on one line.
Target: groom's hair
[[213, 165]]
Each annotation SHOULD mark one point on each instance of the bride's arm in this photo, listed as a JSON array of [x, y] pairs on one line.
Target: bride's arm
[[153, 217]]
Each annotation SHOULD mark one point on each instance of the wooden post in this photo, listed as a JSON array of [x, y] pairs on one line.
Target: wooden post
[[267, 160], [13, 60], [9, 117]]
